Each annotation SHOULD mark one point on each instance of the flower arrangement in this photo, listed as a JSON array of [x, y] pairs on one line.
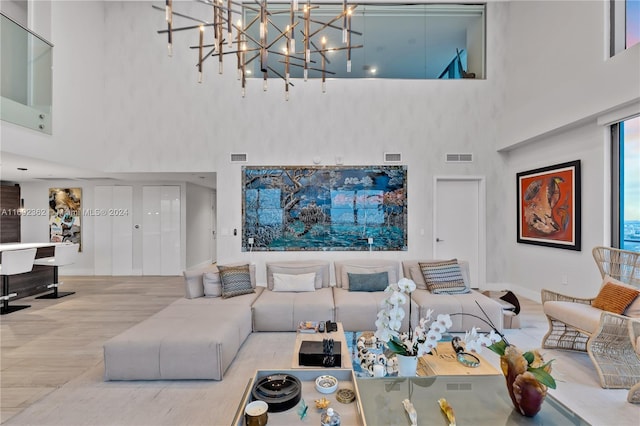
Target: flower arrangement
[[527, 374], [417, 342]]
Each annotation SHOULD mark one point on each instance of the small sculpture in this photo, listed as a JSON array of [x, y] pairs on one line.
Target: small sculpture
[[322, 403], [411, 411]]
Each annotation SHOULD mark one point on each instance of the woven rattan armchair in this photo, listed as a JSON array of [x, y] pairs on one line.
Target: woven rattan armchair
[[611, 345]]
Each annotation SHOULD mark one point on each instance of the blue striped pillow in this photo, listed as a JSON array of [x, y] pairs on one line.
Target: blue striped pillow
[[443, 277]]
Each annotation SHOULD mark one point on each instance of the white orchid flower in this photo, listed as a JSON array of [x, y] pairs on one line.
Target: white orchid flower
[[398, 298], [383, 334], [406, 285], [494, 337]]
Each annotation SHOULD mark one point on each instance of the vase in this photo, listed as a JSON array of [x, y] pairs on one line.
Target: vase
[[407, 365], [526, 392]]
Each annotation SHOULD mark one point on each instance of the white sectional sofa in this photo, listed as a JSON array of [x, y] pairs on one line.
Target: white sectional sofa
[[198, 337]]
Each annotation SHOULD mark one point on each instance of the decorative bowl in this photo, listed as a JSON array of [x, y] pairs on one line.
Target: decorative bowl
[[326, 384], [280, 391]]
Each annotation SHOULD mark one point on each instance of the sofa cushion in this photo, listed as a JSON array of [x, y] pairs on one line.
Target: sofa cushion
[[411, 269], [456, 304], [283, 311], [236, 280], [614, 297], [579, 315], [368, 282], [443, 277], [294, 282], [212, 284], [194, 284], [294, 267]]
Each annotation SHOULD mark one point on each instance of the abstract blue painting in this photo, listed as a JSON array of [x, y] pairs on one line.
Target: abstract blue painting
[[320, 208]]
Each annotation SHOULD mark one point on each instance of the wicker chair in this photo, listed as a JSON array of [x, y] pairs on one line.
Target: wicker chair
[[612, 346]]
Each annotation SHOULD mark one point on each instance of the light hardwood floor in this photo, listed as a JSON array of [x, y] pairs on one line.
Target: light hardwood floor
[[51, 363]]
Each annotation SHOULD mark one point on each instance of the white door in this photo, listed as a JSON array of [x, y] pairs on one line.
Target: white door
[[113, 230], [459, 229], [161, 230]]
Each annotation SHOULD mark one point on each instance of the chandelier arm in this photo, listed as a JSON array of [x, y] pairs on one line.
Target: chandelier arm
[[210, 3], [314, 69], [275, 52], [280, 75], [334, 27], [190, 27], [321, 52]]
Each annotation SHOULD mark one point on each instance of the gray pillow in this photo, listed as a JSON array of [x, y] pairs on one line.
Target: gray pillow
[[236, 280], [368, 282]]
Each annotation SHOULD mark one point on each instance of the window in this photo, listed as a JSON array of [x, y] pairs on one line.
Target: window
[[626, 185], [399, 41], [625, 24]]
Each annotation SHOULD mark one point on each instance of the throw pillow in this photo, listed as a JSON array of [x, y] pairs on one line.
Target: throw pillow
[[212, 284], [443, 277], [236, 280], [294, 283], [614, 297], [368, 282]]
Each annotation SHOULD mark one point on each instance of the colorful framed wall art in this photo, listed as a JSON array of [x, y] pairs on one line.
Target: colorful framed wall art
[[65, 211], [320, 208], [549, 206]]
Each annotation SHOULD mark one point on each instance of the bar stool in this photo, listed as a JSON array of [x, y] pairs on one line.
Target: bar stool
[[14, 262], [63, 254]]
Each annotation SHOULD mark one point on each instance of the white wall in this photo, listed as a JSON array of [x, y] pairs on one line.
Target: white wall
[[560, 80], [199, 212]]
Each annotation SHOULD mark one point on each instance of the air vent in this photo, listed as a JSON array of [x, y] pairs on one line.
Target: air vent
[[392, 157], [459, 386], [238, 158], [459, 158]]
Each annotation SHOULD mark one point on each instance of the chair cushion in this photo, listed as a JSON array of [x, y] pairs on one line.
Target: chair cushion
[[579, 315], [614, 297], [368, 282]]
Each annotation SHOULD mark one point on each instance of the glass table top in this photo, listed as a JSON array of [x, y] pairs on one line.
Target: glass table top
[[476, 400]]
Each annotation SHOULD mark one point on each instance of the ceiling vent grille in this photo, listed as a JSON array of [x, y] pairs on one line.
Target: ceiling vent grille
[[392, 157], [459, 158], [239, 158]]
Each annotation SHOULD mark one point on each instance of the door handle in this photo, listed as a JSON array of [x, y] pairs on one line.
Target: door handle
[[438, 240]]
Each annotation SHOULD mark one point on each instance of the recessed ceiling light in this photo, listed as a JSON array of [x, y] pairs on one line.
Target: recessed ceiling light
[[23, 169]]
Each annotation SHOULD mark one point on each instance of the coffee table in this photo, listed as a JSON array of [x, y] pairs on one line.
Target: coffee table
[[337, 336], [476, 400]]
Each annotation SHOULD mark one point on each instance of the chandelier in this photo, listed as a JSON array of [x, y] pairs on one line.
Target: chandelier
[[260, 39]]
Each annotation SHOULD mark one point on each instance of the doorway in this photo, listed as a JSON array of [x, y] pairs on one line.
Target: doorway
[[459, 223]]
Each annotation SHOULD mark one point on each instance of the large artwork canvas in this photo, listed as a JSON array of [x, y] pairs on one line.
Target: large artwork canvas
[[549, 206], [65, 208], [324, 208]]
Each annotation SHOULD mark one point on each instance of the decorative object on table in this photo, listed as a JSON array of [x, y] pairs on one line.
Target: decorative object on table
[[527, 374], [330, 418], [322, 403], [326, 384], [327, 353], [280, 391], [345, 396], [447, 410], [303, 409], [320, 208], [549, 206], [255, 413], [417, 342], [370, 356], [308, 327], [464, 358], [65, 212], [411, 412]]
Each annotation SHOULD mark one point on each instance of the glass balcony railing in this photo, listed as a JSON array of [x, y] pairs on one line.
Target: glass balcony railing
[[25, 77]]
